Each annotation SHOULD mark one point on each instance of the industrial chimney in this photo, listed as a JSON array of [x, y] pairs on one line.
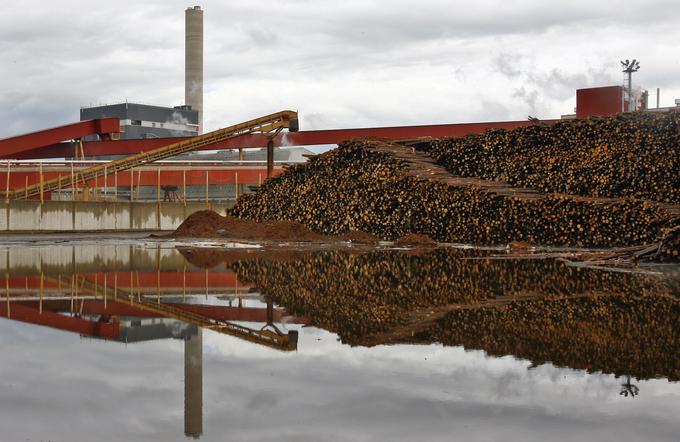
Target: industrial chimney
[[193, 62]]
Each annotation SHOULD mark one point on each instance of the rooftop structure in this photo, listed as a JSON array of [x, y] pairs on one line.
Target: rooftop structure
[[146, 121]]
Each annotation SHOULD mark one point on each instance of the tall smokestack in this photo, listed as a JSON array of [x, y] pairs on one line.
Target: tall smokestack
[[193, 62]]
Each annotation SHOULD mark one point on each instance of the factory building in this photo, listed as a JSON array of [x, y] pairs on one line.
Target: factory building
[[139, 121]]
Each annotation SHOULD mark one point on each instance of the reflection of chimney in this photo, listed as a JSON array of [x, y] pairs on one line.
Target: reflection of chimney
[[193, 385], [193, 62]]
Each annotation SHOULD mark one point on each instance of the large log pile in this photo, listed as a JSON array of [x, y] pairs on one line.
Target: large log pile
[[363, 187], [628, 155], [613, 322]]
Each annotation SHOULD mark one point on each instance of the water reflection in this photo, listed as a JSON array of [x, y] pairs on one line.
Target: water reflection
[[540, 310], [611, 322], [629, 389], [134, 294]]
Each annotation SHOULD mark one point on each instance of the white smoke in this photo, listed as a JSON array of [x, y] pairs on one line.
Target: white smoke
[[177, 119], [285, 141]]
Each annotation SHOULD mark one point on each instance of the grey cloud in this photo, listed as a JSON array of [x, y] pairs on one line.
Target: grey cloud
[[317, 56], [558, 83], [529, 97], [508, 64]]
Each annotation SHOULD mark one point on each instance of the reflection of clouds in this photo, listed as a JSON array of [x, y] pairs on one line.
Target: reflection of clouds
[[57, 386], [68, 387], [262, 401]]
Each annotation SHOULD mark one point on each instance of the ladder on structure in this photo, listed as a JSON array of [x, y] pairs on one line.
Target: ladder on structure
[[270, 124], [270, 338]]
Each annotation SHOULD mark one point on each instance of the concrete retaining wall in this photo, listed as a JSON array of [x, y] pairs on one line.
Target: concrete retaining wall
[[96, 216], [59, 259]]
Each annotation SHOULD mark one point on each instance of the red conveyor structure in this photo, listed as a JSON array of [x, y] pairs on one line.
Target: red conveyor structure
[[55, 143], [18, 146]]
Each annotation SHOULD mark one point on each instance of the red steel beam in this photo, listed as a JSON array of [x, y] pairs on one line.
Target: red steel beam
[[52, 319], [303, 138], [90, 307], [124, 279], [113, 308], [17, 146], [168, 177], [246, 314]]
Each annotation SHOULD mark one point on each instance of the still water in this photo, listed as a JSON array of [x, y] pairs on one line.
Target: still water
[[155, 340]]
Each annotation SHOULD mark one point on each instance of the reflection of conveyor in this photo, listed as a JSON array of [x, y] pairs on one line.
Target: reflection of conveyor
[[93, 306], [268, 336], [270, 124]]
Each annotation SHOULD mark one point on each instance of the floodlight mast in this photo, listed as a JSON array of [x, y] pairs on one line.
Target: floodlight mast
[[628, 68]]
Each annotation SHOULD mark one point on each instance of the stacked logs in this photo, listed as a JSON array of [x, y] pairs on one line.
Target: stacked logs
[[628, 155], [490, 304], [358, 188], [669, 249]]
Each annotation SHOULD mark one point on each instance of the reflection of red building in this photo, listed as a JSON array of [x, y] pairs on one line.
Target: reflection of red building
[[47, 302], [90, 304]]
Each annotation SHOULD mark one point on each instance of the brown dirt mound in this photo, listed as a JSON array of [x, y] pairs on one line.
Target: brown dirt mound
[[203, 258], [208, 258], [415, 239], [359, 237], [208, 224]]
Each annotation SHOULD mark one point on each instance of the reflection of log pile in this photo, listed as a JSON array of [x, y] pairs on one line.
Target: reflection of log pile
[[637, 336], [627, 155], [385, 190], [669, 249], [387, 297]]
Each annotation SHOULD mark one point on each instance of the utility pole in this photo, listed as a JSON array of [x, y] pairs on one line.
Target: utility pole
[[628, 68]]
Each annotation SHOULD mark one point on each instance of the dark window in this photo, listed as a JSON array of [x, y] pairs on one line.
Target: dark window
[[136, 122]]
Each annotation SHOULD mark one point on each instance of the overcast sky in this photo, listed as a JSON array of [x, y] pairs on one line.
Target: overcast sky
[[341, 64]]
